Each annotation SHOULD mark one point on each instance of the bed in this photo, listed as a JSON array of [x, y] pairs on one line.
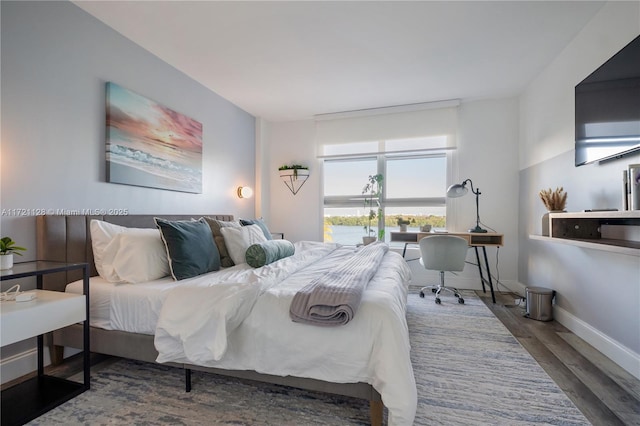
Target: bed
[[366, 358]]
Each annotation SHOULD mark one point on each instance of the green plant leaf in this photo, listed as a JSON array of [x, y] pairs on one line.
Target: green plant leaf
[[7, 245]]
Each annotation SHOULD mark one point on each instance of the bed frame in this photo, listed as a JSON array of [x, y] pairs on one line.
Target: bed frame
[[68, 239]]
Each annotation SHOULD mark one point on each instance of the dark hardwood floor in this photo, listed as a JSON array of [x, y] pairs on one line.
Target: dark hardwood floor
[[604, 392]]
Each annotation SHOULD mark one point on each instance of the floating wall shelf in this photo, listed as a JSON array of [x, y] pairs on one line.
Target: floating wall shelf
[[614, 231], [294, 178]]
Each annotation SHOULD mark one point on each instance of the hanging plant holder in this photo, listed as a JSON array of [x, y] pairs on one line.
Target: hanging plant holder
[[294, 178]]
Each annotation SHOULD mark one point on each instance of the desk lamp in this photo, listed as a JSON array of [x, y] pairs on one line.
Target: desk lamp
[[460, 189]]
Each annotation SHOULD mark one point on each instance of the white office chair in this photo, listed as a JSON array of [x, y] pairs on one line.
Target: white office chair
[[443, 253]]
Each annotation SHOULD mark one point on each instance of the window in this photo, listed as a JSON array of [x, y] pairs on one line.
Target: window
[[344, 208], [414, 187]]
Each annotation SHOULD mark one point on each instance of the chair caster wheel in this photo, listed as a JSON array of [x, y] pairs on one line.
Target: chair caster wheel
[[461, 301], [438, 301], [422, 294]]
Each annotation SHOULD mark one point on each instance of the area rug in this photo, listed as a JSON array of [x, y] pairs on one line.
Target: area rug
[[469, 371]]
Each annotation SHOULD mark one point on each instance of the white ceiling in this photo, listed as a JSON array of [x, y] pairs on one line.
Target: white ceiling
[[291, 60]]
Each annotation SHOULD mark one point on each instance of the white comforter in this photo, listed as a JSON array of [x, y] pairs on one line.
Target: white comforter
[[239, 320]]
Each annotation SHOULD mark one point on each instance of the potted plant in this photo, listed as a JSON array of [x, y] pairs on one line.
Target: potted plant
[[294, 170], [555, 202], [402, 223], [294, 176], [7, 248], [372, 192]]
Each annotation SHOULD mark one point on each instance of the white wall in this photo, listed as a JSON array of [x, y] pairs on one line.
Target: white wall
[[547, 104], [598, 292], [298, 216], [487, 153], [56, 60]]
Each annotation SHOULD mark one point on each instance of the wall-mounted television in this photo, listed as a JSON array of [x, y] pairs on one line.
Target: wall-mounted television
[[608, 108]]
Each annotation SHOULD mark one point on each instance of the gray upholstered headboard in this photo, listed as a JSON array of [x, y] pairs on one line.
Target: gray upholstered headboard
[[68, 239]]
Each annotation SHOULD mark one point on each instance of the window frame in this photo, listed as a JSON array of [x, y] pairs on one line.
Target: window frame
[[357, 200]]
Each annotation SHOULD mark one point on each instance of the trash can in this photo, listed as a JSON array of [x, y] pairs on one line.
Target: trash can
[[538, 305]]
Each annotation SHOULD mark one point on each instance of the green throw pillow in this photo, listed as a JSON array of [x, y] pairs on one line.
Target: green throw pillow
[[190, 247], [267, 252]]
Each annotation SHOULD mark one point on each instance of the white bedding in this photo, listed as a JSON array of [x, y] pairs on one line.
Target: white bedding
[[135, 307], [372, 348]]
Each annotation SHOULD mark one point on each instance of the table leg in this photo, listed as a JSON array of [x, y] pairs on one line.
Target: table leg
[[484, 290], [40, 339], [486, 262], [86, 345], [40, 355]]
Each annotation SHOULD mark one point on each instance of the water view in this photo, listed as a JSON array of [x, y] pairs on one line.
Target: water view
[[349, 230], [352, 235]]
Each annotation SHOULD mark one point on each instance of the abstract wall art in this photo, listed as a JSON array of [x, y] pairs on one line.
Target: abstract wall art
[[151, 145]]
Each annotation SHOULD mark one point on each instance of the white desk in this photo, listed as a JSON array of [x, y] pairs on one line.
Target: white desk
[[474, 239]]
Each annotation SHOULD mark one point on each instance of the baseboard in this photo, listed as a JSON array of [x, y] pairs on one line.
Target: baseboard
[[614, 350], [20, 364]]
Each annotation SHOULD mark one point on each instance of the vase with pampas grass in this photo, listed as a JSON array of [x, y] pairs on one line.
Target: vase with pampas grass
[[555, 202]]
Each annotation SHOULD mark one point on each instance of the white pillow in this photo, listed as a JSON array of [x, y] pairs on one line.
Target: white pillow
[[102, 234], [141, 256], [238, 240], [130, 255]]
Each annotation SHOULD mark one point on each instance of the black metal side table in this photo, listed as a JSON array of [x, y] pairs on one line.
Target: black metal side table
[[49, 311]]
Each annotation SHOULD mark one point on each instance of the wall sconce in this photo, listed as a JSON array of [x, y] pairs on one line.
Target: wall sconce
[[245, 192]]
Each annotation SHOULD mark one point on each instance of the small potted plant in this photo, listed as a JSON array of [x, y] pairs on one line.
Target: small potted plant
[[294, 176], [555, 202], [7, 248], [372, 192], [402, 223], [294, 170]]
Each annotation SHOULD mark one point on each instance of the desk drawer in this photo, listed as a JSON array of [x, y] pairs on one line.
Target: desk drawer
[[404, 237]]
